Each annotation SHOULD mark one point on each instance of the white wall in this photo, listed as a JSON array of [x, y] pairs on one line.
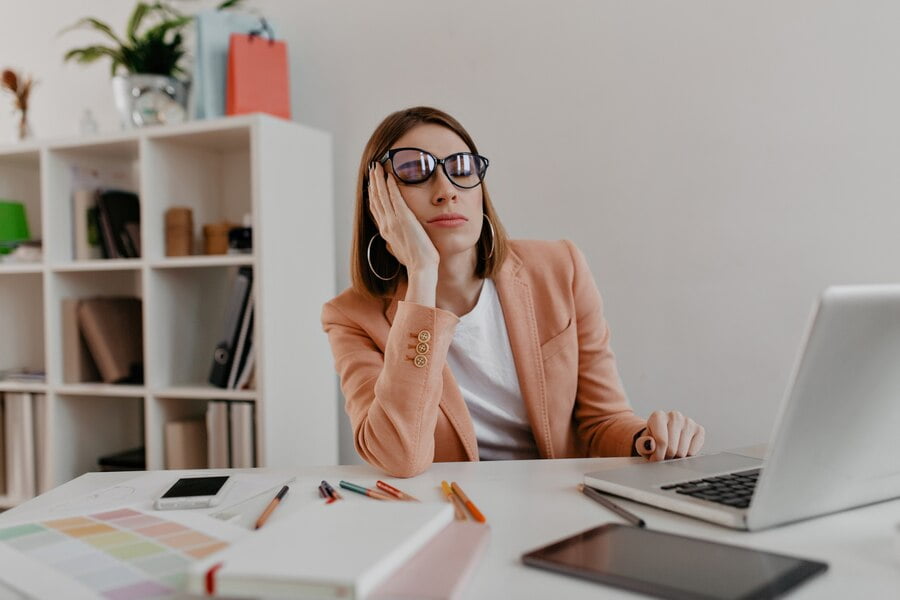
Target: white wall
[[719, 162]]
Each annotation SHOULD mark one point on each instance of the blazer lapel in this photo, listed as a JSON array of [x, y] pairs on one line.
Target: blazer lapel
[[518, 313], [452, 404]]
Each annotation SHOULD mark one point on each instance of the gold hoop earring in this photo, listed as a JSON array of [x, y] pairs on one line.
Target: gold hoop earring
[[369, 259], [493, 237]]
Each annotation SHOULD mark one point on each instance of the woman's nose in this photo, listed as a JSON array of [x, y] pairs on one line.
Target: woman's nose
[[444, 190]]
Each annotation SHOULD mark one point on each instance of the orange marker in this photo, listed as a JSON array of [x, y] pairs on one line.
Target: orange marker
[[272, 506], [469, 504], [457, 503], [394, 491]]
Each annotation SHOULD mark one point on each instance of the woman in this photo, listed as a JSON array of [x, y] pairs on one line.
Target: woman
[[456, 343]]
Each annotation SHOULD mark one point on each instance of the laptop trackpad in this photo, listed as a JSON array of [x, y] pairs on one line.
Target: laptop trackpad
[[717, 463]]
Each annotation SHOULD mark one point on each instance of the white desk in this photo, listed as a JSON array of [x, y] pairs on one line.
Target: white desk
[[531, 503]]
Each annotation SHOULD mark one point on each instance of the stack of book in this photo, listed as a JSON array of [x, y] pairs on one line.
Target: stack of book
[[106, 224], [22, 423], [233, 356], [230, 434], [102, 340]]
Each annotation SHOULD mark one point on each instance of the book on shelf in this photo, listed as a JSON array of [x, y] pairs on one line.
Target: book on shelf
[[231, 434], [113, 330], [224, 352], [341, 550], [86, 232], [19, 433], [119, 216], [218, 440], [40, 409], [243, 450], [25, 375], [186, 444], [78, 365]]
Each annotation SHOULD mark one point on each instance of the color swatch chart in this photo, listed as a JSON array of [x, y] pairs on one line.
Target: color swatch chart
[[122, 554]]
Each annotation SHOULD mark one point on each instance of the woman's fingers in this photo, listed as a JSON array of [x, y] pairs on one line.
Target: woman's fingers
[[687, 436], [657, 426], [675, 428], [646, 446], [697, 441]]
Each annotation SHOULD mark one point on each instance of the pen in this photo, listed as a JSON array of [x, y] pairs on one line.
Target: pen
[[331, 491], [365, 491], [469, 504], [455, 501], [598, 497], [394, 491], [272, 505]]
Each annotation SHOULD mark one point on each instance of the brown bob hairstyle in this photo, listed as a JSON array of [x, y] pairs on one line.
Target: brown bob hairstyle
[[392, 128]]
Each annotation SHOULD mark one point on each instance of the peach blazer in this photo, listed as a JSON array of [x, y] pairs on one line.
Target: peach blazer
[[405, 407]]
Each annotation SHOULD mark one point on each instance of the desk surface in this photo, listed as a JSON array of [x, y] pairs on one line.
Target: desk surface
[[531, 503]]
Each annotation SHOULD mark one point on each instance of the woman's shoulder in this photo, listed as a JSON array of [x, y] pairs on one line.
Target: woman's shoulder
[[543, 254]]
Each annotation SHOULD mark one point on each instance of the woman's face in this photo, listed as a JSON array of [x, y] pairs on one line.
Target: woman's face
[[452, 216]]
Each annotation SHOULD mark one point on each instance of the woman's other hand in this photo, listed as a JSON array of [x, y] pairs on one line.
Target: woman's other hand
[[405, 237], [670, 435]]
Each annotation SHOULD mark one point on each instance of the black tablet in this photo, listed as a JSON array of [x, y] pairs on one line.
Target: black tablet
[[672, 566]]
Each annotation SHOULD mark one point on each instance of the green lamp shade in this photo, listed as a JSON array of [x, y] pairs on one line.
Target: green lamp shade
[[13, 225]]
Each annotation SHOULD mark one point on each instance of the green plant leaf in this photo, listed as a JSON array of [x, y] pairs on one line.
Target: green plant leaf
[[92, 23], [229, 4], [90, 54], [140, 11]]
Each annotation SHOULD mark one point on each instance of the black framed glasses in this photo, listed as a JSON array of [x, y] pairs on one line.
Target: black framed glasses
[[414, 165]]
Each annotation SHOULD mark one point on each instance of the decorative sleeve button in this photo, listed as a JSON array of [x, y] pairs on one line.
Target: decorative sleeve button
[[422, 348], [424, 336], [420, 361]]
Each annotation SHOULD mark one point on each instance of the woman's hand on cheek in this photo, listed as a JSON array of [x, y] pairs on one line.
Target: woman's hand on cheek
[[670, 435], [398, 225]]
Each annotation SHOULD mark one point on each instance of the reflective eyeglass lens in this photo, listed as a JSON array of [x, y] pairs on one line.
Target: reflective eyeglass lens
[[413, 166], [465, 170]]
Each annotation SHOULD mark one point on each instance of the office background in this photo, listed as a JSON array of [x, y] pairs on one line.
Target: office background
[[718, 162]]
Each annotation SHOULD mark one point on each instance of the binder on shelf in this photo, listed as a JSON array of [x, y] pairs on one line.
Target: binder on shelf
[[127, 460], [19, 429], [78, 365], [224, 353], [243, 446], [186, 444], [243, 345], [113, 329], [119, 213], [218, 440]]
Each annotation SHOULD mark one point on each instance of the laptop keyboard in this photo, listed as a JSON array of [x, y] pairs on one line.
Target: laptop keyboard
[[734, 489]]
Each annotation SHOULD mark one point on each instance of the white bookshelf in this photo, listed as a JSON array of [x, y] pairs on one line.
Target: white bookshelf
[[279, 172]]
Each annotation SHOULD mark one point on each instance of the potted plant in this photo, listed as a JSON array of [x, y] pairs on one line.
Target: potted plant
[[153, 87]]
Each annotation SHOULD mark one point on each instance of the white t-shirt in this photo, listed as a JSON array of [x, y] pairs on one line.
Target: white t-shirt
[[481, 360]]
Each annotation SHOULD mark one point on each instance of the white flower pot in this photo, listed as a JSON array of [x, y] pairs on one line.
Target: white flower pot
[[149, 100]]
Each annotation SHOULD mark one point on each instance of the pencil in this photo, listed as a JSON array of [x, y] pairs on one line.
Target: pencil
[[272, 506], [455, 501], [365, 491], [469, 504], [394, 491], [601, 499], [331, 491]]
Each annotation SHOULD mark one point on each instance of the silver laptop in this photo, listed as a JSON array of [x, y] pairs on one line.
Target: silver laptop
[[835, 443]]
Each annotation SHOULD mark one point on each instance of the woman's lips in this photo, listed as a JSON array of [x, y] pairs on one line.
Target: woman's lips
[[449, 220]]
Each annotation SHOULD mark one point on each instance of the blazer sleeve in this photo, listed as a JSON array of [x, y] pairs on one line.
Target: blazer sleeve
[[604, 419], [392, 397]]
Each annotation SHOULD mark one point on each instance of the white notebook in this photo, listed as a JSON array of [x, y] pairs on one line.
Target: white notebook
[[338, 550]]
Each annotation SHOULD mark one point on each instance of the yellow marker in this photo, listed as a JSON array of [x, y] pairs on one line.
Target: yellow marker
[[457, 503]]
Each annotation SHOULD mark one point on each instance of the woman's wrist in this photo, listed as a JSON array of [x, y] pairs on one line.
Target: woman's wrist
[[422, 287]]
